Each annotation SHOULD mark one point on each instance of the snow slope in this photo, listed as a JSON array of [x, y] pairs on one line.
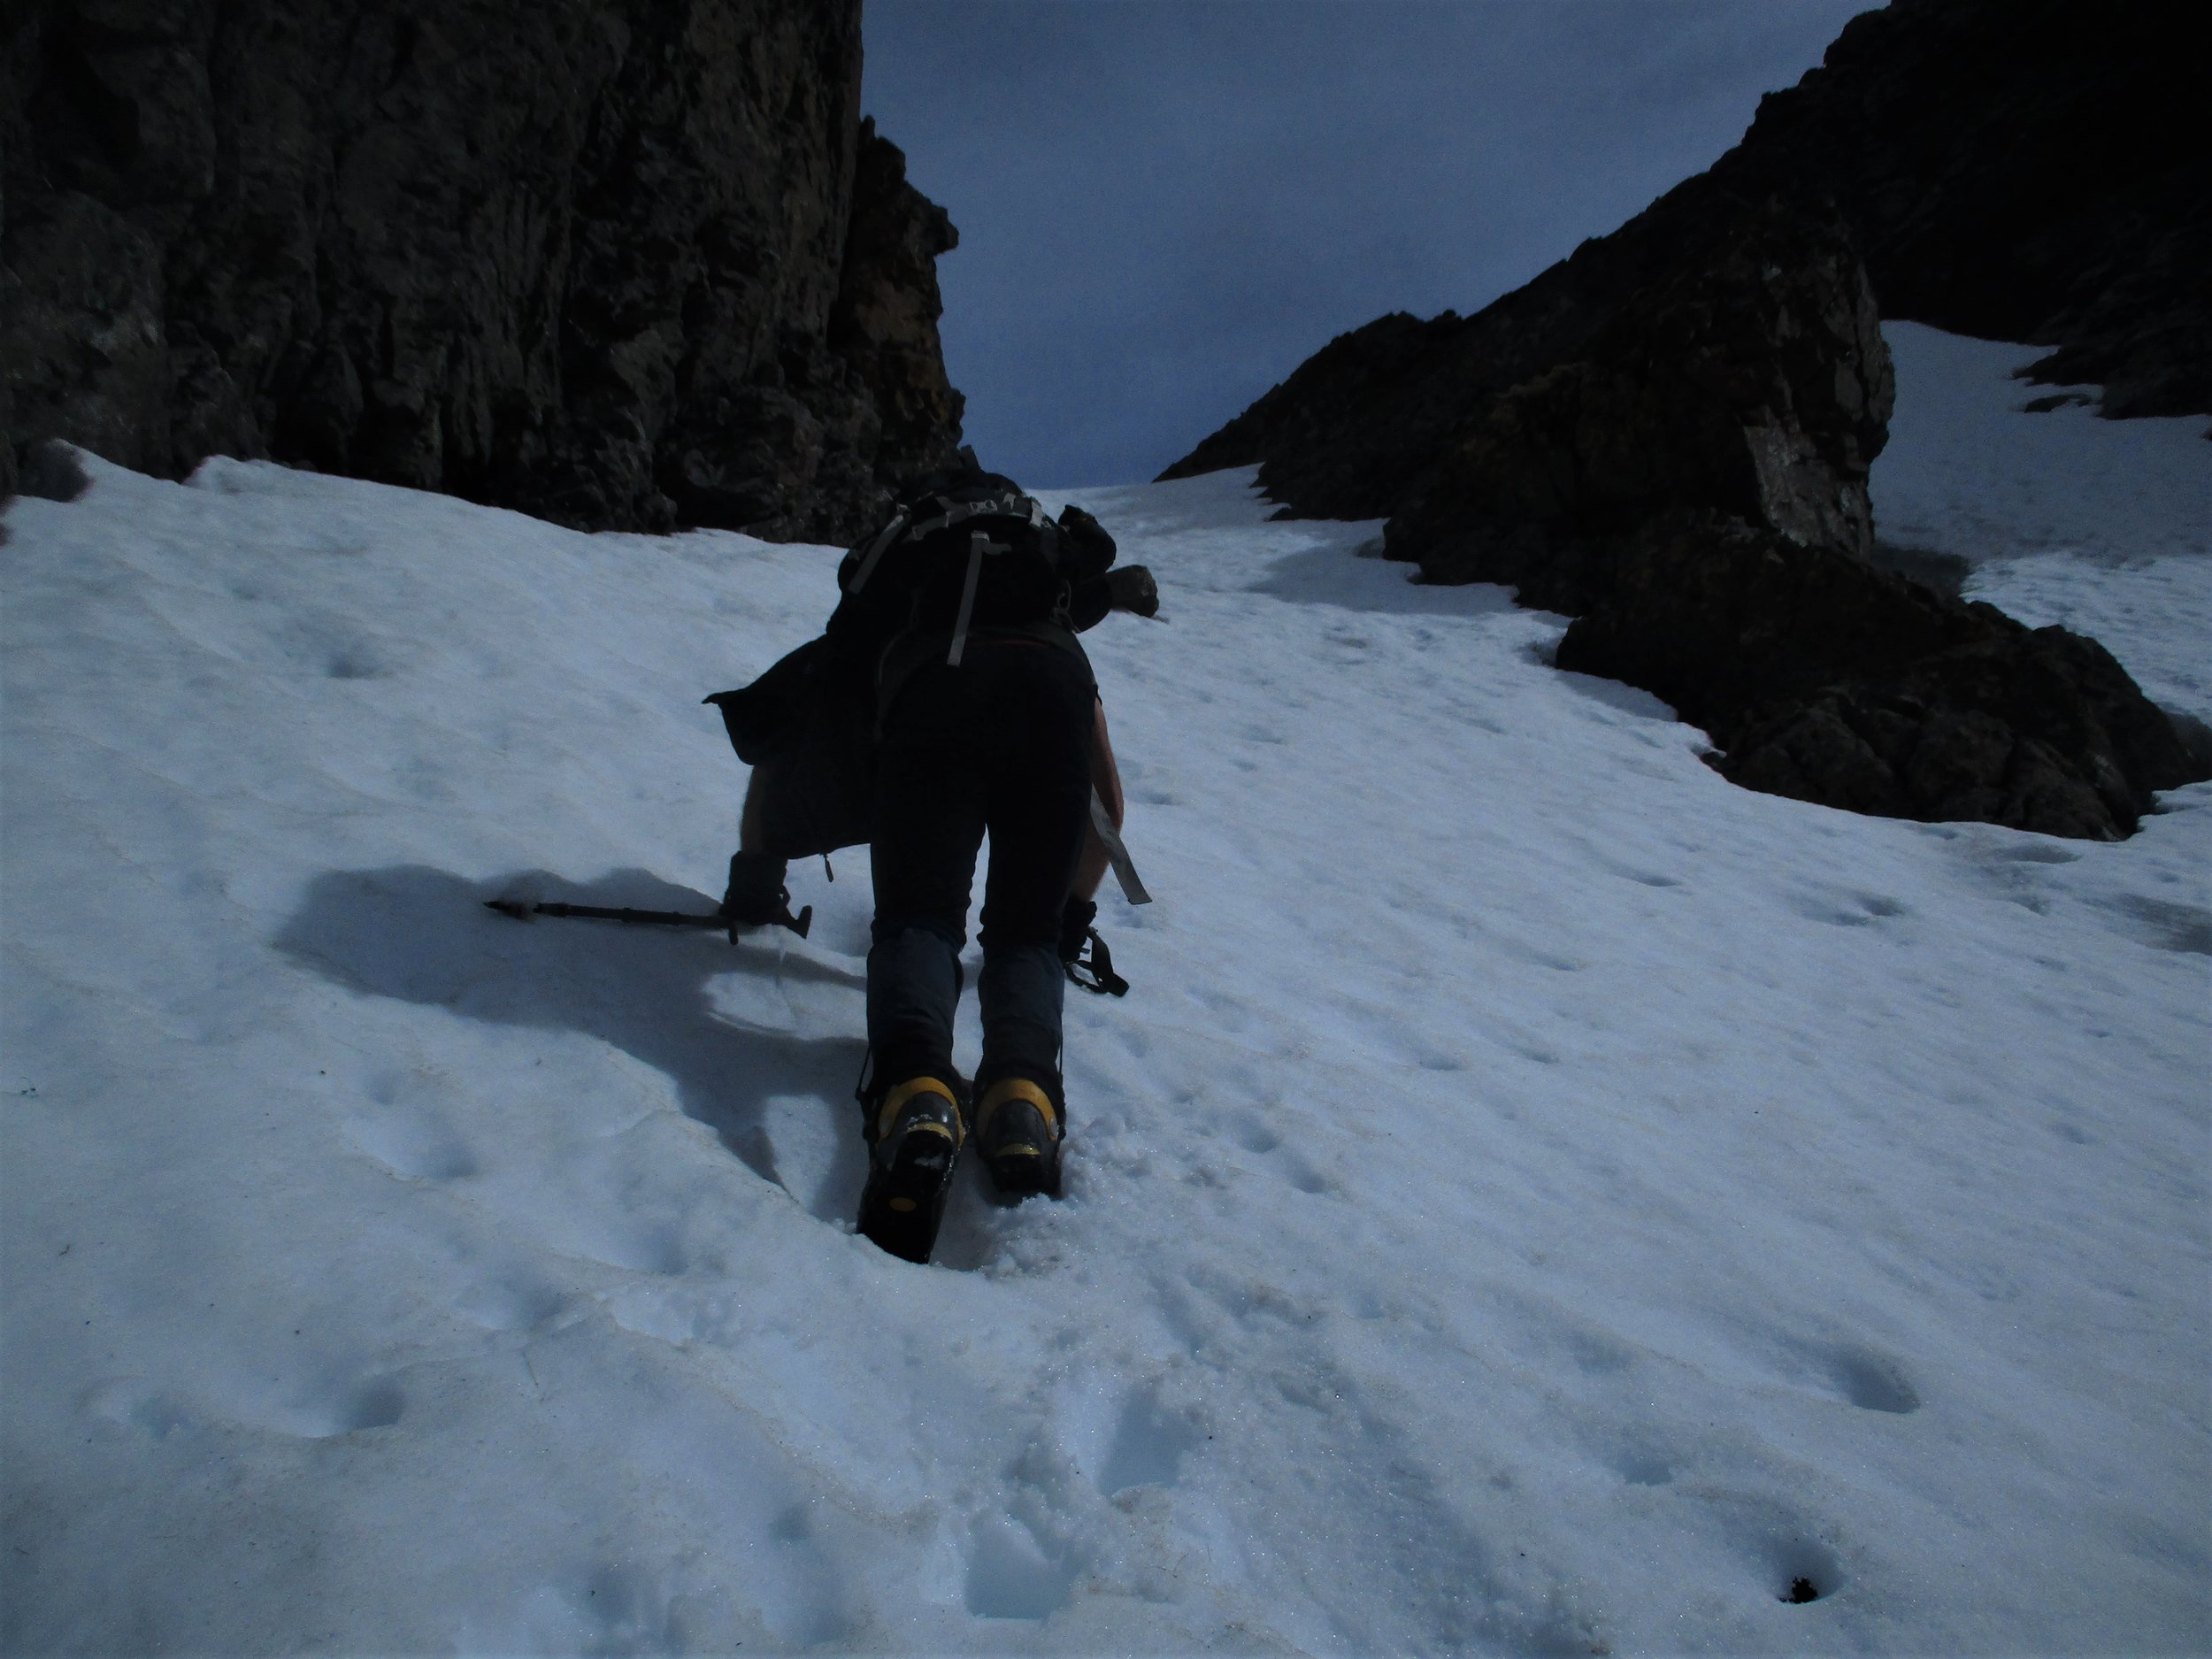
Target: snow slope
[[1537, 1197], [2102, 526]]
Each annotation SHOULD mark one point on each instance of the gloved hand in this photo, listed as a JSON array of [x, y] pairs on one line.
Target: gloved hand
[[1075, 926], [1094, 542], [1131, 588], [1083, 953], [757, 895]]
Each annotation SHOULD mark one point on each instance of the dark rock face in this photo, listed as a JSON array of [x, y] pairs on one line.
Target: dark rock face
[[618, 263], [1356, 429], [2013, 169], [1692, 487], [2018, 170], [1753, 383], [1824, 678], [884, 322], [1345, 436], [1668, 434]]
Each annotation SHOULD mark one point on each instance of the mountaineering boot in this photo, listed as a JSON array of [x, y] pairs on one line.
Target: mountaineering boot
[[914, 1137], [1019, 1126]]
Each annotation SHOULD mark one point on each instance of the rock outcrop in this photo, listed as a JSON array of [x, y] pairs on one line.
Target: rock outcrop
[[1826, 679], [1691, 486], [1356, 430], [619, 263], [1753, 384], [2012, 169], [2026, 170], [1668, 434]]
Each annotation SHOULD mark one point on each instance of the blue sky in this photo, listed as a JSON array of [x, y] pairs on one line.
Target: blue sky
[[1165, 205]]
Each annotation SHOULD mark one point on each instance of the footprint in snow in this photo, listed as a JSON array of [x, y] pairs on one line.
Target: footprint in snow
[[511, 1302], [350, 1406], [1148, 1448], [1780, 1552], [1011, 1575], [1253, 1133], [1853, 1373], [1872, 1381], [1850, 909], [1640, 1466], [405, 1126], [413, 1145], [137, 1405]]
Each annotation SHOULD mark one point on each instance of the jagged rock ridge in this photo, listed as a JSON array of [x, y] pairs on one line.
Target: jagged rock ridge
[[1668, 434], [619, 263], [1750, 382], [2011, 169], [2027, 170]]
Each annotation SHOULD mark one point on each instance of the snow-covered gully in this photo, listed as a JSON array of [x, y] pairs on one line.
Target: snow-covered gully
[[1537, 1197]]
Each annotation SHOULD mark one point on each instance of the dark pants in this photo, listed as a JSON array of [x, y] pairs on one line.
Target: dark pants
[[1002, 745]]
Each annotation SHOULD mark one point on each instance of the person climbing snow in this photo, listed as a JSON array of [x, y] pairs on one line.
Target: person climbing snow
[[948, 699]]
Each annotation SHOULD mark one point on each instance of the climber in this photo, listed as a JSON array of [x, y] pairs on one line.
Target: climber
[[959, 616]]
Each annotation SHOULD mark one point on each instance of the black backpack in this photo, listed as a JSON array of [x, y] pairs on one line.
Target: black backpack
[[965, 549]]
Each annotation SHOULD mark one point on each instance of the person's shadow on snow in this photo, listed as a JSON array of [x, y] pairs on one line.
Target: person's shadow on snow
[[425, 935]]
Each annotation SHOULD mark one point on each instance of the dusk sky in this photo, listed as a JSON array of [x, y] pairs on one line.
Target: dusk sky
[[1165, 205]]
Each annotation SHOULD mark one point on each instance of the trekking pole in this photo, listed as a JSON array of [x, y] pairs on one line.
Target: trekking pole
[[523, 911]]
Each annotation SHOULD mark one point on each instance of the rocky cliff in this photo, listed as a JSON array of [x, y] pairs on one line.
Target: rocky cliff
[[1668, 434], [1749, 380], [2013, 169], [2027, 170], [619, 263]]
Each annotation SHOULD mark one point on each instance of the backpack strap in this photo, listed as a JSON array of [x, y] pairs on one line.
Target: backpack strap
[[904, 527], [1051, 541], [877, 548], [954, 512], [979, 544]]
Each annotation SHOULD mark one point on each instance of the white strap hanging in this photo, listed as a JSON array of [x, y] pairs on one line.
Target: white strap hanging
[[1116, 855], [979, 544], [876, 551]]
